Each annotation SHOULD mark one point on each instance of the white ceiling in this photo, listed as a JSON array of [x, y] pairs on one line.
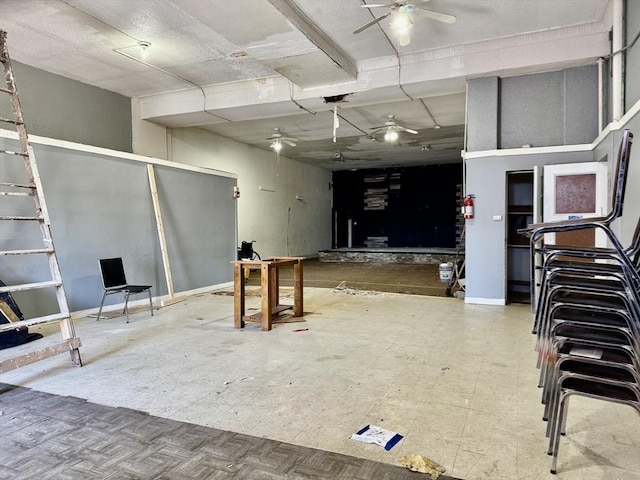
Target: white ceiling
[[240, 68]]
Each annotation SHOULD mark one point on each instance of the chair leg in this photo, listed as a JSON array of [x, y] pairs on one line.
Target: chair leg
[[101, 304], [554, 441], [150, 302], [126, 305]]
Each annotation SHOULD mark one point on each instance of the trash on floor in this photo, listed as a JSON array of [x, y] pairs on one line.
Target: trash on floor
[[342, 288], [229, 382], [418, 463], [377, 435]]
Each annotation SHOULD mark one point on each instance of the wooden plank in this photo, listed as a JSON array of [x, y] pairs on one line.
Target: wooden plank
[[16, 194], [274, 290], [160, 227], [9, 217], [238, 296], [280, 308], [298, 302], [253, 318], [266, 297], [8, 312], [26, 252], [257, 317], [29, 286], [70, 345], [170, 301], [56, 317], [41, 205], [10, 152], [17, 185], [8, 120]]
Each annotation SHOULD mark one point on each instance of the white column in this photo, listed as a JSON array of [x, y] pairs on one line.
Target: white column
[[616, 61]]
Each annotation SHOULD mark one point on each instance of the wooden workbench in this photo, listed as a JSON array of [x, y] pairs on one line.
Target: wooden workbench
[[270, 290]]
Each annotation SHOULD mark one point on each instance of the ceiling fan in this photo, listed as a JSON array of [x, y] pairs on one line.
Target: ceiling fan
[[402, 12], [277, 140], [391, 129]]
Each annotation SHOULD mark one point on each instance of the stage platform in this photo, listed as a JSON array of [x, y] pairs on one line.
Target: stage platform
[[406, 255]]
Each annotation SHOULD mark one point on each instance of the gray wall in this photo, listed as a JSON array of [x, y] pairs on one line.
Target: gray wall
[[482, 114], [58, 107], [547, 109], [632, 56], [100, 206], [485, 250]]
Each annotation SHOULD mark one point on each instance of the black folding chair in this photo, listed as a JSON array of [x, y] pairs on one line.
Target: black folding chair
[[115, 281]]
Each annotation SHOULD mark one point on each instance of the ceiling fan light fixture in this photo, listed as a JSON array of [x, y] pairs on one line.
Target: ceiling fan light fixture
[[276, 145], [401, 25], [391, 136], [144, 48]]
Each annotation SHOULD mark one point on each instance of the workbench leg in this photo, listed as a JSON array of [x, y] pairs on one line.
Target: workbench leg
[[238, 296], [266, 296], [298, 302], [275, 287]]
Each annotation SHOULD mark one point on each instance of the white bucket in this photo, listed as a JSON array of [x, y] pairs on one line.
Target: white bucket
[[446, 272]]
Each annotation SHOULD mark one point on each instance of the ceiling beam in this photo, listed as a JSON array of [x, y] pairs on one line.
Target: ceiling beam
[[292, 13]]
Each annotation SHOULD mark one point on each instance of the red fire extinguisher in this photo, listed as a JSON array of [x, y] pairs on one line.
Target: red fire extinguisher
[[467, 206]]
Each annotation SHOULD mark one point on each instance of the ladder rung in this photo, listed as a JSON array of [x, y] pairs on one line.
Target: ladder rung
[[56, 317], [17, 185], [10, 152], [16, 194], [29, 286], [31, 357], [26, 252], [8, 120], [20, 218]]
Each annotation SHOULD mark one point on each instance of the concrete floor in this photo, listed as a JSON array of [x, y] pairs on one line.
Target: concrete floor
[[458, 381]]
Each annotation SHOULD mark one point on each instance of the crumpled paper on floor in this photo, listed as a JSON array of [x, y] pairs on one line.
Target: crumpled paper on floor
[[418, 463], [378, 436]]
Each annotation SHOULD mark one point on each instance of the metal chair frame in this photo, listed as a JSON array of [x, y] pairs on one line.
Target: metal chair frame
[[114, 281]]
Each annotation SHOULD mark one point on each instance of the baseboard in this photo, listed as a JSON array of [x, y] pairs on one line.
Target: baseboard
[[485, 301], [145, 300]]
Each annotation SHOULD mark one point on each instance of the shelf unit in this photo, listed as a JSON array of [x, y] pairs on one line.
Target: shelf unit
[[519, 215]]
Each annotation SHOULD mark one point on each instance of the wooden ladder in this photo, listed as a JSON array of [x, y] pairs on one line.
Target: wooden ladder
[[32, 188]]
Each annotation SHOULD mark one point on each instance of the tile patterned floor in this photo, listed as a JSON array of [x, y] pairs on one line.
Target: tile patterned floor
[[48, 436], [457, 380]]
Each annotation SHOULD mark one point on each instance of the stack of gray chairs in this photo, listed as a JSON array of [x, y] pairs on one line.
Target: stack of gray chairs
[[587, 313]]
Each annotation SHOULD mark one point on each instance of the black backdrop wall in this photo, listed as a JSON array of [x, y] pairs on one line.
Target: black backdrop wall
[[397, 207]]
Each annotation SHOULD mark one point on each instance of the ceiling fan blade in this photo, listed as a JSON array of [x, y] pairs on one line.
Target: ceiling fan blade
[[376, 5], [372, 22], [432, 14], [408, 130], [288, 142]]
